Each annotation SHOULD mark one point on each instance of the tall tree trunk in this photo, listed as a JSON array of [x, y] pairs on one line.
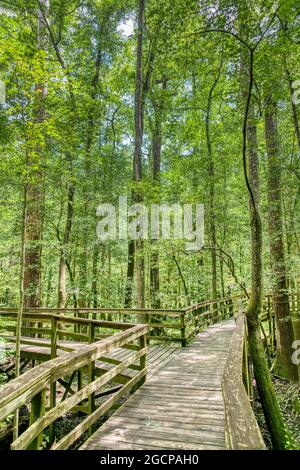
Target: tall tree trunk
[[88, 191], [21, 307], [49, 287], [211, 177], [284, 326], [296, 322], [284, 27], [222, 277], [35, 184], [294, 107], [129, 274], [272, 413], [137, 161], [62, 290], [32, 223], [95, 275], [156, 163]]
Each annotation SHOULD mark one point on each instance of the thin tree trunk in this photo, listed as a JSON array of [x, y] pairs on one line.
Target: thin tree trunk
[[129, 274], [62, 290], [156, 164], [21, 307], [49, 288], [95, 275], [181, 277], [294, 107], [284, 326], [222, 277], [211, 175], [88, 194]]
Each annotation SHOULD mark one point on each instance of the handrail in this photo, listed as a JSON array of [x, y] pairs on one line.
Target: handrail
[[212, 301], [62, 319], [170, 325], [34, 385], [241, 428], [145, 311]]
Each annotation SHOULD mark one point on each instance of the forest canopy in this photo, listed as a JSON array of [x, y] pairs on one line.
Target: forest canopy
[[150, 159]]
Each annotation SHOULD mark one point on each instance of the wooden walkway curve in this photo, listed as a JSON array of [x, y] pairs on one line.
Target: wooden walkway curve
[[180, 407], [186, 380]]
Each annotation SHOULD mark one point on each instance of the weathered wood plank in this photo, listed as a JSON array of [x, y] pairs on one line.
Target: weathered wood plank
[[242, 431], [178, 407], [15, 394]]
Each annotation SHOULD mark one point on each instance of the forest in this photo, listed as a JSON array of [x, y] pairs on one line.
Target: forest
[[185, 110]]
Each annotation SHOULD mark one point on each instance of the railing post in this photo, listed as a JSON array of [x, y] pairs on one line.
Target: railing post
[[198, 310], [147, 320], [182, 329], [54, 333], [219, 311], [143, 359], [53, 337], [38, 406], [222, 310], [231, 308], [91, 375]]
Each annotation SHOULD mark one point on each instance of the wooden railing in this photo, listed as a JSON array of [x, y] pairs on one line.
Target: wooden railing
[[38, 327], [167, 326], [241, 428], [163, 325], [203, 314], [38, 387]]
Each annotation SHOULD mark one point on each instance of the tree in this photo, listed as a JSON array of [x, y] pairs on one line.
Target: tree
[[137, 161], [35, 179], [284, 351]]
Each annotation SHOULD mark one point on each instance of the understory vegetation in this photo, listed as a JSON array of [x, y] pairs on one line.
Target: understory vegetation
[[150, 159]]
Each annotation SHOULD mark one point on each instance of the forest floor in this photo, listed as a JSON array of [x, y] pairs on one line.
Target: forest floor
[[289, 400]]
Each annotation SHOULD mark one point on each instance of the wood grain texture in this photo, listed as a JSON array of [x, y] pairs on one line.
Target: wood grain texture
[[194, 397], [242, 431], [177, 408]]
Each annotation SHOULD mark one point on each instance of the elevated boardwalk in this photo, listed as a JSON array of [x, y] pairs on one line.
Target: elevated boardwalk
[[197, 396], [180, 407]]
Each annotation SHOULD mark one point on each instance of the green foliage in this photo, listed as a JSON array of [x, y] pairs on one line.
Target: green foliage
[[87, 138]]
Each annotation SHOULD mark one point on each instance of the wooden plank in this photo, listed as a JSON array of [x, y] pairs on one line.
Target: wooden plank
[[136, 422], [157, 357], [176, 435], [242, 431], [205, 417], [175, 409], [163, 442], [66, 441], [193, 406]]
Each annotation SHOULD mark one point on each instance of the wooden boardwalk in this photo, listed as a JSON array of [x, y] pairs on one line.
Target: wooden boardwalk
[[157, 356], [180, 407]]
